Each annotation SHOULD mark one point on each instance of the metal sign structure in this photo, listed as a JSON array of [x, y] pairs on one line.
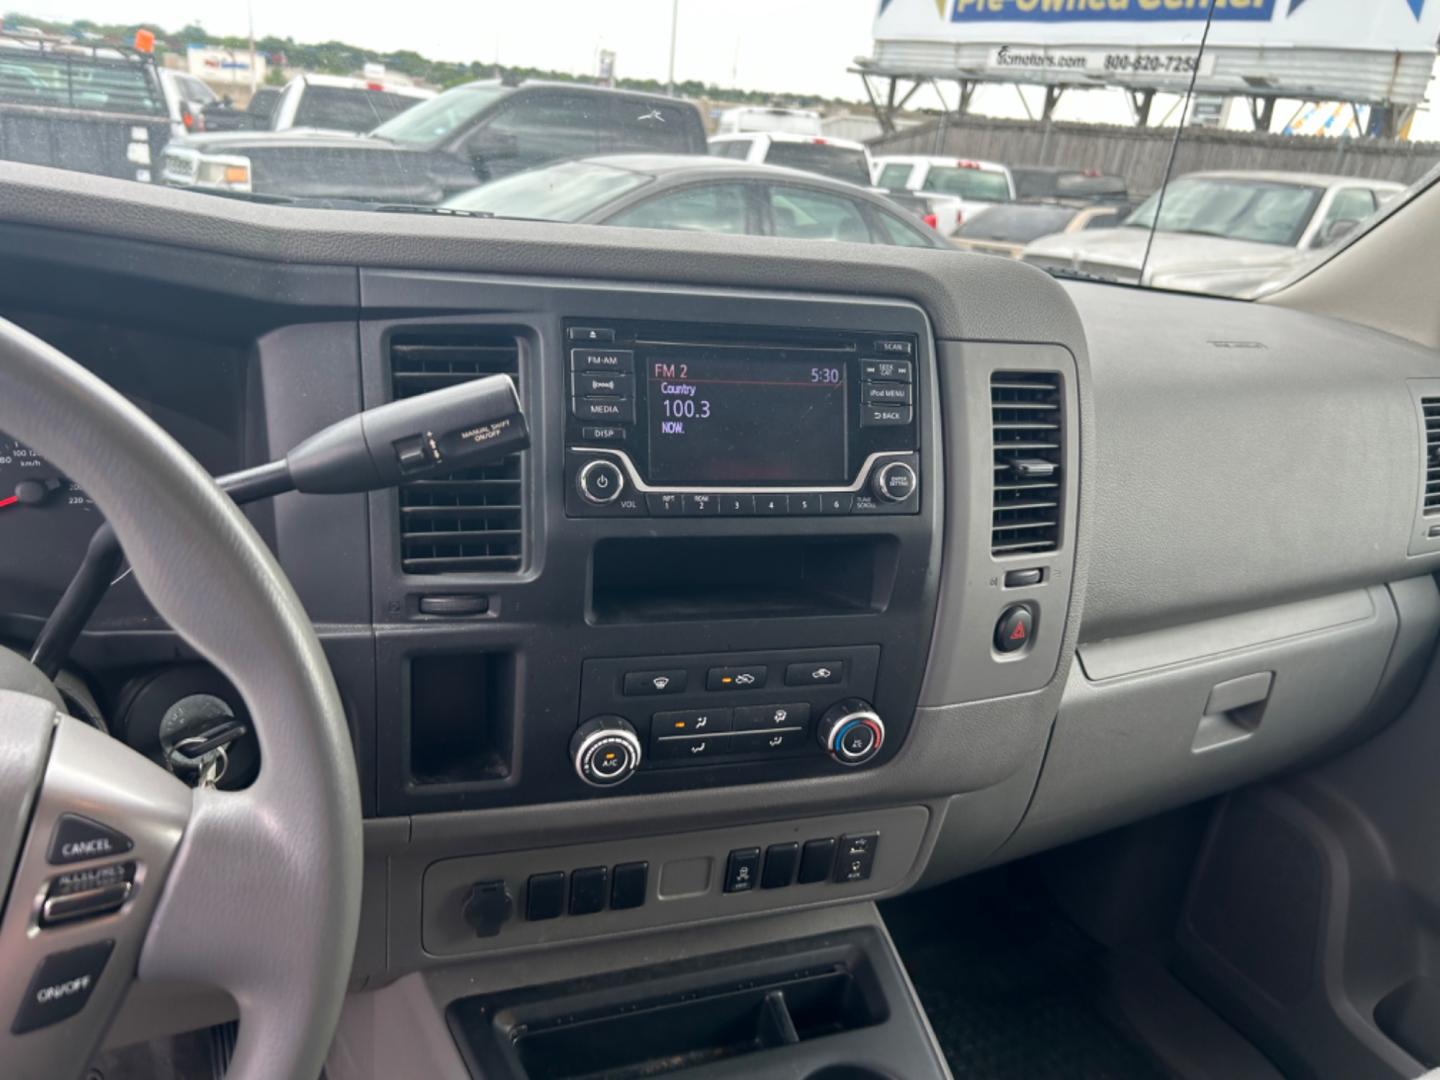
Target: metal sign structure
[[1377, 53]]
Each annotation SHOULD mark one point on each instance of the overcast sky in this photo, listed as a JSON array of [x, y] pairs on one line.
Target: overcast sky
[[756, 44]]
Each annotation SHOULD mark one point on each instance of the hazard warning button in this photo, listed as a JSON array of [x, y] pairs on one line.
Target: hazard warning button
[[1016, 625]]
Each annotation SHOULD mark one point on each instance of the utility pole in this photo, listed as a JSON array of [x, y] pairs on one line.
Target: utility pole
[[250, 16], [674, 22]]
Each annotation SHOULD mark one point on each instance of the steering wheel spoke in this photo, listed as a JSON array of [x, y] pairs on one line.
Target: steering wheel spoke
[[104, 826]]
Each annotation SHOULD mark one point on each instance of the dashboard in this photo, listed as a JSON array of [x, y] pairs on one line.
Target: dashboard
[[904, 559]]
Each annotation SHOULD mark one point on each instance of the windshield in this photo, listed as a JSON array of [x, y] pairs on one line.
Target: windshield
[[1217, 146], [565, 192], [967, 183], [434, 121], [838, 162], [1262, 212]]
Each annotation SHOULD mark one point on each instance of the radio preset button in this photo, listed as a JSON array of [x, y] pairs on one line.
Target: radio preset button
[[805, 504], [772, 504], [887, 370], [602, 360], [602, 384], [737, 505], [600, 482], [618, 410], [884, 393], [701, 505], [838, 503], [750, 677], [665, 505], [886, 415]]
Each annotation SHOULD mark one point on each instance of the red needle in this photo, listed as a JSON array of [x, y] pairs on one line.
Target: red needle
[[11, 499]]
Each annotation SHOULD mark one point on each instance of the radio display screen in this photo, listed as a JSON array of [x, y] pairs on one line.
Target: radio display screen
[[761, 422]]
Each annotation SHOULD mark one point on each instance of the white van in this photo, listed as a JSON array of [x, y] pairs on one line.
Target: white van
[[839, 159], [753, 118]]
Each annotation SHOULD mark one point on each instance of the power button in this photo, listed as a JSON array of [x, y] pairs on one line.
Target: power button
[[600, 482]]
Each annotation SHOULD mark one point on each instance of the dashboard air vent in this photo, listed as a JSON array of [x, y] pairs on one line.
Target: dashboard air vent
[[1430, 409], [471, 521], [1026, 411]]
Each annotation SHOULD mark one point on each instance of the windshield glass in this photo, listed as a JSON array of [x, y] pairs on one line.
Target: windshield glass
[[1261, 212], [565, 192], [436, 120], [967, 183], [838, 162], [1216, 146]]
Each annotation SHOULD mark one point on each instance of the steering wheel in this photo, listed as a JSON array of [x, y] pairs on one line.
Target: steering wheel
[[255, 892]]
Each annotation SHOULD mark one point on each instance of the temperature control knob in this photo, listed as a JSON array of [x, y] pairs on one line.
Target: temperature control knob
[[894, 482], [606, 751], [600, 482], [851, 732]]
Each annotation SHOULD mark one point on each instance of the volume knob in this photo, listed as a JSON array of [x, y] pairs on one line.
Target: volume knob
[[851, 732], [600, 482], [605, 750]]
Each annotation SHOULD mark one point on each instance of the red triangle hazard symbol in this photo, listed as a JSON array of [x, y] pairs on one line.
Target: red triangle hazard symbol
[[1018, 634]]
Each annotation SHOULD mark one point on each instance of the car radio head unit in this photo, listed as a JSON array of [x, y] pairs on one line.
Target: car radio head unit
[[664, 419]]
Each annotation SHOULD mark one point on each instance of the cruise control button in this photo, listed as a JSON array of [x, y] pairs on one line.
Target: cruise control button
[[787, 741], [815, 673], [655, 682], [691, 722], [768, 717], [602, 360], [886, 415], [888, 370], [77, 838], [735, 678], [61, 986], [602, 384]]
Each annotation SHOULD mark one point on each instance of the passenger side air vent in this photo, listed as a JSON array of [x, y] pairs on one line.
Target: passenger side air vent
[[471, 521], [1430, 410], [1026, 416]]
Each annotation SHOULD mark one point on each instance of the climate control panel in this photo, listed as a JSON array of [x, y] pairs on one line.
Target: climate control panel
[[728, 711]]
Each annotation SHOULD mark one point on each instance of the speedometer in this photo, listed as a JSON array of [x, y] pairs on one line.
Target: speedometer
[[29, 482]]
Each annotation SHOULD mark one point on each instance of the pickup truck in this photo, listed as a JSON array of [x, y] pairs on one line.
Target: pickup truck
[[467, 136], [88, 108]]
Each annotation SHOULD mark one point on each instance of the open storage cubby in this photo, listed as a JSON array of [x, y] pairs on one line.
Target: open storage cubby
[[811, 1004], [461, 717], [646, 579]]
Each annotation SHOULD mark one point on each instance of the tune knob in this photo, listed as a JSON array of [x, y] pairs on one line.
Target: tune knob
[[606, 751], [894, 482], [600, 482], [851, 732]]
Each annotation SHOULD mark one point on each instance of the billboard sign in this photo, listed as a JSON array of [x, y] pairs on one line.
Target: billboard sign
[[224, 65], [1352, 50]]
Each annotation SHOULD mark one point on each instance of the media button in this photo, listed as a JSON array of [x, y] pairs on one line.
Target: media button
[[808, 503], [769, 717], [887, 370], [751, 677], [886, 415], [772, 504], [837, 503], [603, 384], [882, 393], [691, 722], [702, 504], [602, 360], [655, 682], [737, 505], [665, 505], [617, 410], [815, 673]]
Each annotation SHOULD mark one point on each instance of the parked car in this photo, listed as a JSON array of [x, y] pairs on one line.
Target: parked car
[[839, 159], [92, 108], [975, 186], [1006, 230], [255, 116], [748, 118], [336, 103], [696, 194], [1056, 182], [1219, 232], [186, 100], [470, 134]]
